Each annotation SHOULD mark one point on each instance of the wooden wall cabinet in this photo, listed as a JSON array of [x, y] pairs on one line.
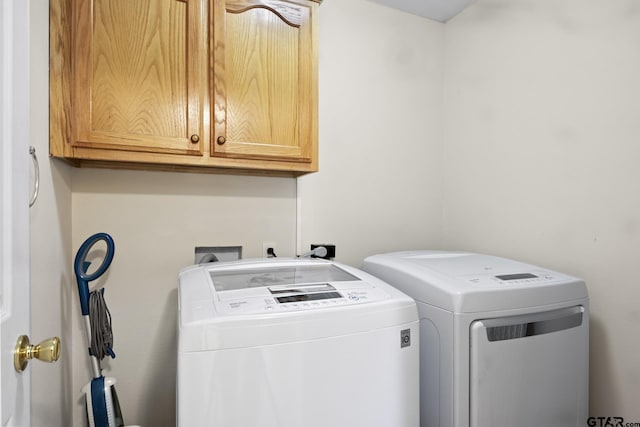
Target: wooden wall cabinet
[[193, 85]]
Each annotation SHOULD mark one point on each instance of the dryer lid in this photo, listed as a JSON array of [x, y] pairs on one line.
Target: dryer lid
[[467, 282]]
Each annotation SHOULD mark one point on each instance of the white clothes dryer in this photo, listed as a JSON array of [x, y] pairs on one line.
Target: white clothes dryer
[[502, 343], [294, 343]]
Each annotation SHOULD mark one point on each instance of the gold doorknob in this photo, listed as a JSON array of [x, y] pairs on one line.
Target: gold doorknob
[[195, 138], [221, 140], [46, 351]]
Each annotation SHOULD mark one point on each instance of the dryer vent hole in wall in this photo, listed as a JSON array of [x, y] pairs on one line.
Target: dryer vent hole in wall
[[204, 254]]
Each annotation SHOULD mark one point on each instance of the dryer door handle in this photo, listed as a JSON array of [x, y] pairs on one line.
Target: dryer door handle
[[508, 328]]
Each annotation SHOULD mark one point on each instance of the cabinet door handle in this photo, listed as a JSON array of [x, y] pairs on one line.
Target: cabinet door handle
[[195, 138], [221, 140]]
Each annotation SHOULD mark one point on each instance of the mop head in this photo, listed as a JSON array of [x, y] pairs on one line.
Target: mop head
[[103, 408]]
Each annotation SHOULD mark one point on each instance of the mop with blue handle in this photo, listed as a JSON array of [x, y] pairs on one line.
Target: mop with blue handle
[[103, 409]]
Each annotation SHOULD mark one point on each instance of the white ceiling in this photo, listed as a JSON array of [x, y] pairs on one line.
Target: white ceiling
[[438, 10]]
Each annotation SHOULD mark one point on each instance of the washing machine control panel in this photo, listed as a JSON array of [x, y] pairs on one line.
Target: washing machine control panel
[[529, 278], [289, 286], [302, 297]]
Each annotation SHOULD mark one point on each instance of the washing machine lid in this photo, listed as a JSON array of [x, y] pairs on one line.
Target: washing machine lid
[[272, 276], [467, 282], [270, 301]]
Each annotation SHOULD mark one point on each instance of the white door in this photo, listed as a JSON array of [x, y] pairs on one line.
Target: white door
[[15, 388]]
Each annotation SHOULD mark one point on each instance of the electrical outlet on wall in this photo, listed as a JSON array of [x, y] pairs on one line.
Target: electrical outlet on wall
[[269, 249], [217, 253]]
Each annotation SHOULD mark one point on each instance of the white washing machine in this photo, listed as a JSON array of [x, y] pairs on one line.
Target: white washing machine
[[503, 343], [294, 343]]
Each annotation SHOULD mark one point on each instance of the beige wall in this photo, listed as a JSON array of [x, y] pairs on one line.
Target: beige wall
[[156, 219], [532, 156], [50, 219], [380, 179], [541, 159]]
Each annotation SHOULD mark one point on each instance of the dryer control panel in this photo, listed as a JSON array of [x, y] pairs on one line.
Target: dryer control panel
[[524, 278]]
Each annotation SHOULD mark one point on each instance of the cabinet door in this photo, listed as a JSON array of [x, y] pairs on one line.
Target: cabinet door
[[137, 75], [264, 79]]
